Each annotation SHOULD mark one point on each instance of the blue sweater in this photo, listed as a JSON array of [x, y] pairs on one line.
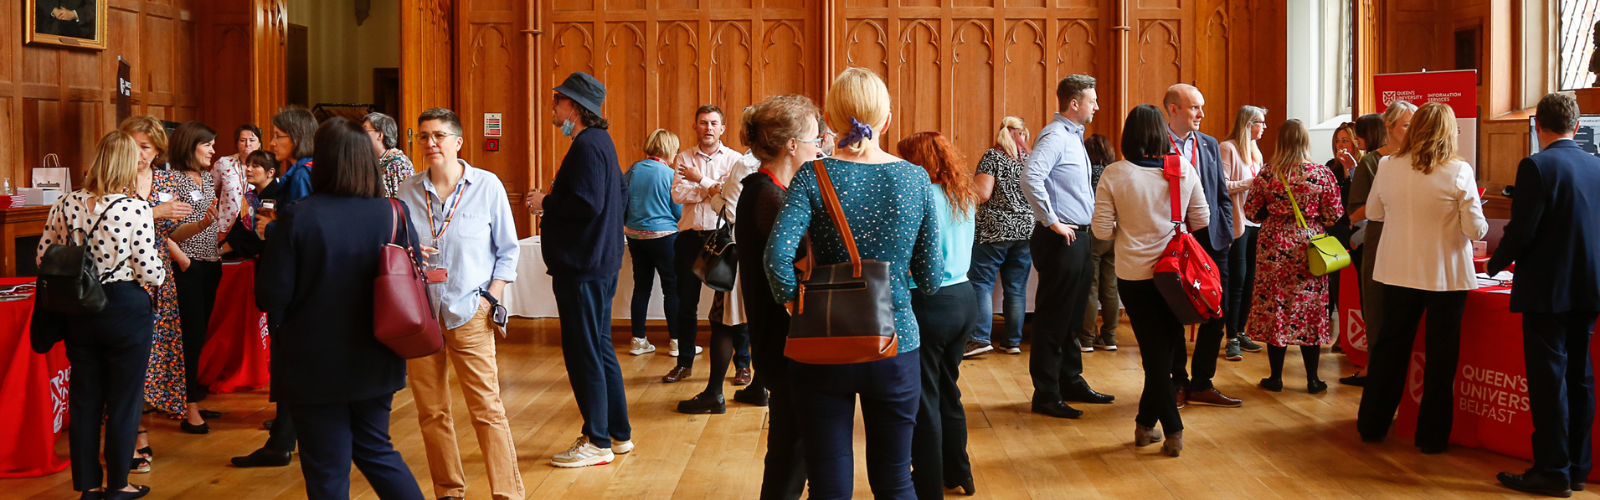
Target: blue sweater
[[891, 212], [582, 227], [650, 206]]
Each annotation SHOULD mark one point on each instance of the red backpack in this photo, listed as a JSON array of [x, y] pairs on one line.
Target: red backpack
[[1185, 273]]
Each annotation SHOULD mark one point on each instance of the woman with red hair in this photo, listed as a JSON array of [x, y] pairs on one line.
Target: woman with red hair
[[946, 319]]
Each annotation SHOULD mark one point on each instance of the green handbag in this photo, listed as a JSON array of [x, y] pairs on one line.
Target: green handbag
[[1325, 254]]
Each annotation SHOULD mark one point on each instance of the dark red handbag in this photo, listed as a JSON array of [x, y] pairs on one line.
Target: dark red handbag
[[401, 317], [1185, 273]]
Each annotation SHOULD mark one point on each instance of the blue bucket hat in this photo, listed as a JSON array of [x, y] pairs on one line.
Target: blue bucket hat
[[584, 90]]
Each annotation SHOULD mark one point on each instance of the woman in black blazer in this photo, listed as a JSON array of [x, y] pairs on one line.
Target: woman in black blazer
[[317, 272]]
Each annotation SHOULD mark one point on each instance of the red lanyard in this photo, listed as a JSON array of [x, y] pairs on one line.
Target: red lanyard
[[1194, 150], [774, 179], [460, 192]]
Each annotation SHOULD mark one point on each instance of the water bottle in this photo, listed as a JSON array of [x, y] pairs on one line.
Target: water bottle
[[5, 187]]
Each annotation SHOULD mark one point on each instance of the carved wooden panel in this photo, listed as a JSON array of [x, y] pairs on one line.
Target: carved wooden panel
[[1157, 64], [732, 75], [1024, 73], [678, 61], [783, 62], [866, 46], [627, 95], [573, 52], [921, 96], [1213, 71], [972, 55]]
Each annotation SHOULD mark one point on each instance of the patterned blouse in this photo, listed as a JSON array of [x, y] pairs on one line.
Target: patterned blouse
[[891, 214], [228, 177], [203, 245], [396, 168], [1006, 216], [124, 242]]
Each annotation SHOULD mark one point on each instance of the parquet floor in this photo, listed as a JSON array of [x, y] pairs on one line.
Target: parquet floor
[[1279, 445]]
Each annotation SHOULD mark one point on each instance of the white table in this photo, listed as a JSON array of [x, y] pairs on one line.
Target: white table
[[530, 296]]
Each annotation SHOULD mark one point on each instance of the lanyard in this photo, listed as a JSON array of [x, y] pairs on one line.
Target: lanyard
[[1194, 150], [437, 230], [774, 179]]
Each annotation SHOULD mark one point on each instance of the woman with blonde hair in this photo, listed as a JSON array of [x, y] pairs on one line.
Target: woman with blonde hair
[[1294, 199], [110, 349], [1241, 162], [870, 184], [1004, 226], [651, 226], [945, 321], [1428, 199], [1396, 121]]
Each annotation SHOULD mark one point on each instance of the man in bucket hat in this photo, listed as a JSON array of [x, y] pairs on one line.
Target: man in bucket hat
[[583, 242]]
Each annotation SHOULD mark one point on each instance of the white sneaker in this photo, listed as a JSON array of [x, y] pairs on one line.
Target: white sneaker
[[621, 447], [1086, 349], [641, 346], [583, 454], [674, 350]]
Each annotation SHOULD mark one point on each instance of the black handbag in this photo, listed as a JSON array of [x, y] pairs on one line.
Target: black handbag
[[843, 313], [68, 283], [718, 262]]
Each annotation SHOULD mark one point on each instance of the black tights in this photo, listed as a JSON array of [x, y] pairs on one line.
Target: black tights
[[722, 355], [1311, 354]]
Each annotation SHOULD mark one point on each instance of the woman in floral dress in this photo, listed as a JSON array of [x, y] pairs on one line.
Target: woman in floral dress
[[164, 380], [1290, 305], [393, 164]]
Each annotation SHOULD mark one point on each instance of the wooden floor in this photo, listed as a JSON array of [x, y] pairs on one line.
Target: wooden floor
[[1279, 445]]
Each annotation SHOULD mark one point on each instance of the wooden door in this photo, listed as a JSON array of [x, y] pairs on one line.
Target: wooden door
[[269, 49], [427, 66]]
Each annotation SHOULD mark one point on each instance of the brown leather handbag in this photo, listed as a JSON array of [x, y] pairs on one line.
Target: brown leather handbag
[[401, 317], [843, 313]]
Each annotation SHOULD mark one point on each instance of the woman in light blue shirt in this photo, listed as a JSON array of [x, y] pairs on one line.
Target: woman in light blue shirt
[[650, 222], [946, 319]]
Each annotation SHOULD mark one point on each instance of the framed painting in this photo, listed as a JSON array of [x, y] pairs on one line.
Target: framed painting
[[66, 23]]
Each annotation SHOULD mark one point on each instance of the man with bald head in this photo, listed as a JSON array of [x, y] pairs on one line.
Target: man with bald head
[[1185, 108]]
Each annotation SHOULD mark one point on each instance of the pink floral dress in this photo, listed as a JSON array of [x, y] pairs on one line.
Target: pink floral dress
[[1290, 306]]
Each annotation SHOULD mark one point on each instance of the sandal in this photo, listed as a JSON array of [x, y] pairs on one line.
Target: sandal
[[145, 452], [140, 465]]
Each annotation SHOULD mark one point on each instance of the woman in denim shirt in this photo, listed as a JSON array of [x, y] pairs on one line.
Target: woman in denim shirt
[[888, 203]]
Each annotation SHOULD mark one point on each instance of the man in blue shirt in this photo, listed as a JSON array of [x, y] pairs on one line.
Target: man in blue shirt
[[470, 243], [1185, 108], [1057, 187], [582, 229]]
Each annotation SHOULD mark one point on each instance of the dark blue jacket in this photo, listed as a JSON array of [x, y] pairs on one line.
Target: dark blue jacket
[[582, 224], [1554, 233], [1219, 234], [316, 275]]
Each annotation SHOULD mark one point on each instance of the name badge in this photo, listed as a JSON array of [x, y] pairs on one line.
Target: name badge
[[438, 275], [164, 197], [195, 195]]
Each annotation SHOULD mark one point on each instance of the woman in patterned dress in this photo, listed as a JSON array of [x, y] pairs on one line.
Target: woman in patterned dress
[[1289, 305], [393, 163], [164, 381]]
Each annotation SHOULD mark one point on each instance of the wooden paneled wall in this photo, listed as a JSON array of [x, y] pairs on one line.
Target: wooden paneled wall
[[55, 100]]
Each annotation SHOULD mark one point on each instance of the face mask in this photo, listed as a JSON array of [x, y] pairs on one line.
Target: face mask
[[567, 126]]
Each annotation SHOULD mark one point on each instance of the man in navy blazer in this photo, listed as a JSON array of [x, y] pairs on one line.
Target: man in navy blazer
[[1554, 238], [1185, 108]]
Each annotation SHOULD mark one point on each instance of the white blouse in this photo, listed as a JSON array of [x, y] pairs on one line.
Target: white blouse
[[1429, 224], [124, 244], [1133, 205]]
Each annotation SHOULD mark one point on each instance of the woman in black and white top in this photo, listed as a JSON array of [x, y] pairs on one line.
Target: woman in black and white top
[[194, 254], [109, 350], [1133, 207], [1005, 223]]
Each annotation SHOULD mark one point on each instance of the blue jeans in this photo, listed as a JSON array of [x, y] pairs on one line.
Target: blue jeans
[[592, 368], [1011, 260], [650, 258]]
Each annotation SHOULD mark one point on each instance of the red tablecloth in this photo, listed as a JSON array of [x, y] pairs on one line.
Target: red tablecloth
[[236, 352], [1491, 410], [1353, 328], [33, 395]]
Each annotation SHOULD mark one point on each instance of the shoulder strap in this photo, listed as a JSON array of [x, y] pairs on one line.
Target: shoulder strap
[[394, 206], [1297, 215], [1173, 171], [96, 227], [830, 201]]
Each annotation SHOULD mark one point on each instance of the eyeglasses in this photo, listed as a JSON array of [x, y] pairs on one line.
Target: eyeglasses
[[436, 137], [810, 141], [559, 98], [1258, 122]]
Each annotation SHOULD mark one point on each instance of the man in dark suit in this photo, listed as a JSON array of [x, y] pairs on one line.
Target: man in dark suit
[[1554, 238], [1185, 108], [73, 18]]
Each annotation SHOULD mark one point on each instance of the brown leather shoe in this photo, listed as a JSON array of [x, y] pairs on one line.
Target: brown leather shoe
[[1213, 397], [677, 373], [1183, 398], [1145, 436], [742, 377]]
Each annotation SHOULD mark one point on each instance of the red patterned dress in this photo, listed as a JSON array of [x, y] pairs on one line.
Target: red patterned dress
[[1291, 305], [164, 383]]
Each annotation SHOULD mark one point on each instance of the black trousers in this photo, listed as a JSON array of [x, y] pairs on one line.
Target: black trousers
[[1160, 336], [281, 437], [650, 258], [1390, 361], [336, 434], [1208, 342], [1055, 363], [1242, 282], [197, 297], [945, 319], [685, 250], [784, 477], [1560, 391], [591, 359], [109, 352]]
